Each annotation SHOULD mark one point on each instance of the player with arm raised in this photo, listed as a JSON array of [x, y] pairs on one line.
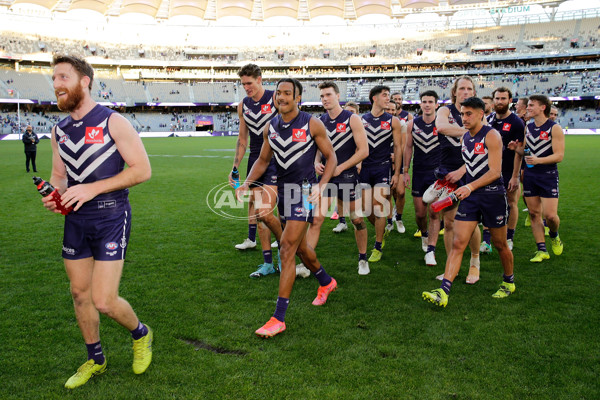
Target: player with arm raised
[[293, 137]]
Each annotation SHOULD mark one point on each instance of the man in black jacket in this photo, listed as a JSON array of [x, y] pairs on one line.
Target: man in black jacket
[[31, 140]]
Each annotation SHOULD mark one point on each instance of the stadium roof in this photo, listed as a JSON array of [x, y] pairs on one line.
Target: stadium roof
[[259, 10]]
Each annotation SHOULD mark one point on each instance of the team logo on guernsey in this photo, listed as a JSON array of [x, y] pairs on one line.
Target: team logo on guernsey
[[435, 131], [299, 135], [478, 149], [544, 135], [273, 135], [506, 127], [94, 134], [63, 139], [111, 246], [385, 125], [265, 109], [340, 128]]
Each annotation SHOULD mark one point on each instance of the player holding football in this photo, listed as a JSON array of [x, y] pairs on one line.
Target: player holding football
[[546, 141], [481, 197], [89, 150], [254, 112], [294, 137]]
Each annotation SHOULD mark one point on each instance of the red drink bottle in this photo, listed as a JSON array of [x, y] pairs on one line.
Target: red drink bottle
[[445, 202], [46, 189]]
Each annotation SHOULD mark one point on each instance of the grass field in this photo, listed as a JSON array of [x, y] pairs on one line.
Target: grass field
[[375, 339]]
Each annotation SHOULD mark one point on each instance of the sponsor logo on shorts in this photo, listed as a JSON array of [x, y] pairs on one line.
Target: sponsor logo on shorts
[[544, 135], [265, 109], [123, 242], [63, 139], [299, 210], [506, 127], [461, 214], [340, 128], [500, 218], [111, 246], [111, 253], [479, 149], [299, 135], [107, 204], [93, 135], [69, 251]]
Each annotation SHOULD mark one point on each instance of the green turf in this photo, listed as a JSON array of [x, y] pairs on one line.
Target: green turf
[[375, 339]]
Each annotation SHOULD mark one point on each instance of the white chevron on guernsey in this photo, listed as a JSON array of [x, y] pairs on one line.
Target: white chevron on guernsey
[[256, 127], [92, 167], [455, 141], [298, 149], [538, 146], [480, 161], [76, 163], [424, 141], [285, 164]]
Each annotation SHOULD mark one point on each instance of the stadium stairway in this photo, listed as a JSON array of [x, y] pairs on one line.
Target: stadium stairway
[[191, 93]]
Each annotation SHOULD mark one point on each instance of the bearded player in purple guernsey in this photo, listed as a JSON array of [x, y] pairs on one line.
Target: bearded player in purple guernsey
[[511, 128], [382, 130], [89, 150], [254, 112], [293, 138], [482, 197], [546, 141]]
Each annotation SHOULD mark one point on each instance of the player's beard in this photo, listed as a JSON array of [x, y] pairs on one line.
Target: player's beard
[[74, 99], [501, 108]]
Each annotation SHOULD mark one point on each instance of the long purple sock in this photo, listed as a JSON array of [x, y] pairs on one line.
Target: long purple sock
[[378, 246], [252, 232], [281, 308], [268, 256], [95, 353], [322, 276], [487, 236], [510, 234], [446, 285], [140, 331]]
